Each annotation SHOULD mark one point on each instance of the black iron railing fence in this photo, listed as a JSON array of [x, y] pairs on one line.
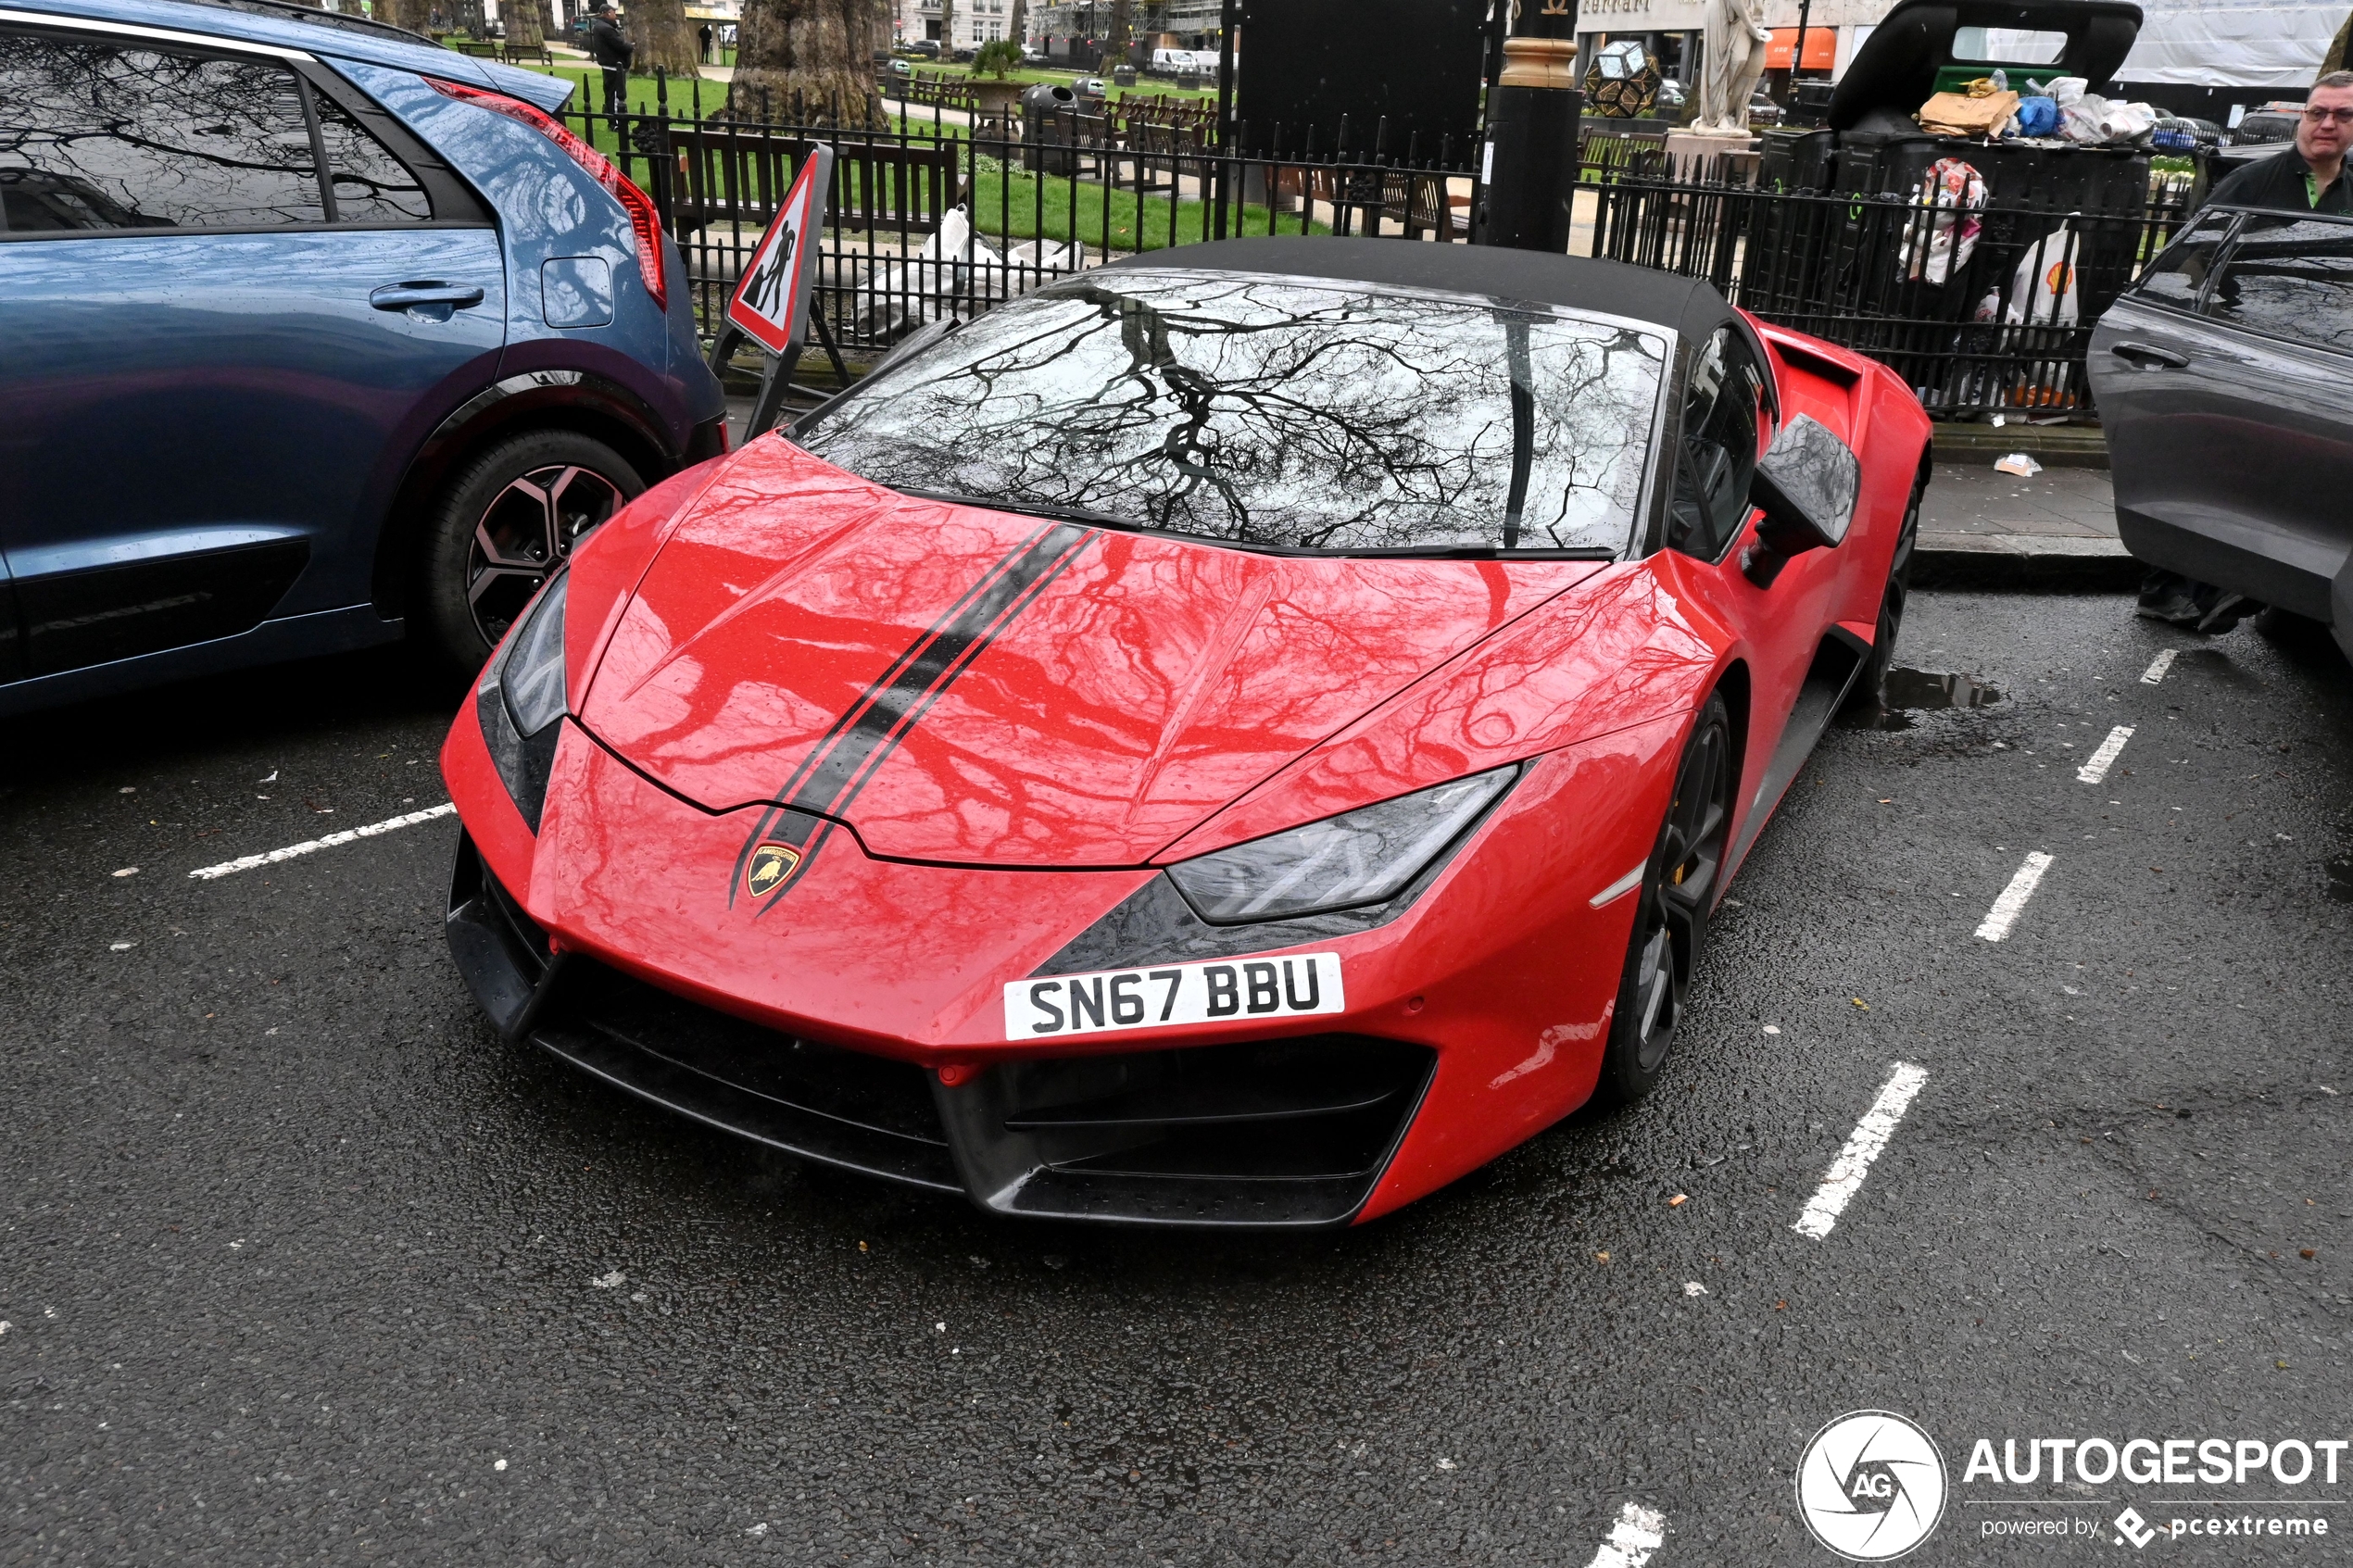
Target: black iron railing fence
[[1983, 309]]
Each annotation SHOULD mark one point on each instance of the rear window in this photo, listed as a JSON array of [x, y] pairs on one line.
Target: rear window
[[1277, 413]]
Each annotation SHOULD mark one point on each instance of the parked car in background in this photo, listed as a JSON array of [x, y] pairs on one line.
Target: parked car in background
[[1762, 111], [2268, 126], [2224, 378], [261, 405]]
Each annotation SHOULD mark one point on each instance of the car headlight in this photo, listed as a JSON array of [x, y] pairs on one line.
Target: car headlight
[[520, 701], [1364, 856]]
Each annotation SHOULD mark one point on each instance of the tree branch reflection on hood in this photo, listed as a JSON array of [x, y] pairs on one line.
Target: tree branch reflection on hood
[[1255, 411]]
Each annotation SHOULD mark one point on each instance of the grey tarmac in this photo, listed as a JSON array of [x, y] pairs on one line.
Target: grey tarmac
[[299, 1263]]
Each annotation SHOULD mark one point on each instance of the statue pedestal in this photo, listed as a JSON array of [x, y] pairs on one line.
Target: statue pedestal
[[1691, 153]]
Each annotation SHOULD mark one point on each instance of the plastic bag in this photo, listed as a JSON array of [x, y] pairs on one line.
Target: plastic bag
[[1938, 248], [2043, 290], [2084, 120], [2037, 116], [2064, 90], [2127, 122]]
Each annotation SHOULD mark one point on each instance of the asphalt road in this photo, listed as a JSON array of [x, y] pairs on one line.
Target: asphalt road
[[298, 1264]]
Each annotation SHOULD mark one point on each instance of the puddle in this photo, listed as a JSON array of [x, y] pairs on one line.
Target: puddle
[[2341, 879], [1905, 691]]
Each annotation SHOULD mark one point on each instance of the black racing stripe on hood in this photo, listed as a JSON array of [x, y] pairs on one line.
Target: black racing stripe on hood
[[830, 777]]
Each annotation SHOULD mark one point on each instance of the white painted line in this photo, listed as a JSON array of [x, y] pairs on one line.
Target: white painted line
[[2157, 666], [227, 867], [2096, 768], [2012, 903], [1863, 1146], [1639, 1532]]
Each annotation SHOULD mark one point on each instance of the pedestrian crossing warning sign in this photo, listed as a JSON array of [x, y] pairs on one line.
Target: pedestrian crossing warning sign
[[770, 302]]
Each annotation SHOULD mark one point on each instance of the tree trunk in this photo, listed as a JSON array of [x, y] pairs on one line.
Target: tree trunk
[[947, 30], [2338, 49], [1123, 27], [1018, 29], [526, 21], [664, 38], [821, 50], [414, 14]]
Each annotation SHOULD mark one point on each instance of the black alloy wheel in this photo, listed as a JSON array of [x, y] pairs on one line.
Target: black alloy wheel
[[1678, 895], [508, 518], [1865, 698]]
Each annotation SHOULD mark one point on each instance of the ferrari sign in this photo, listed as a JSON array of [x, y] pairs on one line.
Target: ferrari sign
[[770, 305], [1293, 985]]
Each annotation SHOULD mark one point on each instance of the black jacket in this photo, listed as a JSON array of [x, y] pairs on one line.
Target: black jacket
[[2279, 181], [607, 46]]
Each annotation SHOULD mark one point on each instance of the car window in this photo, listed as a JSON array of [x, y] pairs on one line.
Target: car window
[[370, 184], [2177, 275], [95, 134], [1264, 411], [2293, 280], [1718, 451]]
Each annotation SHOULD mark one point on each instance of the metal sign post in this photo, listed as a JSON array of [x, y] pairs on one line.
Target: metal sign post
[[770, 305]]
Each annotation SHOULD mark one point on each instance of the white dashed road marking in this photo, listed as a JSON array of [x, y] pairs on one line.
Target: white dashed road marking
[[329, 842], [1639, 1532], [2095, 770], [2012, 903], [2157, 666], [1863, 1146]]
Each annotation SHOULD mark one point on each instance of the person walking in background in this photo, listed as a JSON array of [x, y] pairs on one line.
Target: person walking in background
[[705, 36], [612, 52]]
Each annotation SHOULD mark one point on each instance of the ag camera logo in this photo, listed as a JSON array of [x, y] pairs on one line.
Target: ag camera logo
[[1871, 1485]]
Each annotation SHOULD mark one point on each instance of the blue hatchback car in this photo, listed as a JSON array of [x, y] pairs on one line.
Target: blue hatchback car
[[311, 334]]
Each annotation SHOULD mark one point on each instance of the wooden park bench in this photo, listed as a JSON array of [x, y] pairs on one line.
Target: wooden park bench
[[527, 55], [725, 176], [479, 48]]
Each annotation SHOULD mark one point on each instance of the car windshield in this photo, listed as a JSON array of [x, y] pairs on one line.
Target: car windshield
[[1275, 413]]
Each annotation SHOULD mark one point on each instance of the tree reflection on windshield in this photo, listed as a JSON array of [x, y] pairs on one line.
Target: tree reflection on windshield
[[1258, 411]]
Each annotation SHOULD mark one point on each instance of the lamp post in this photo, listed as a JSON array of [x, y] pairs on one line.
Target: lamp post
[[1529, 162], [1798, 57]]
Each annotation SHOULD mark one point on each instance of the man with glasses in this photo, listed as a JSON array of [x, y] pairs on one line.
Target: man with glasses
[[2310, 176]]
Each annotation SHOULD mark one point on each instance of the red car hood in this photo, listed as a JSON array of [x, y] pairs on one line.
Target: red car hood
[[984, 688]]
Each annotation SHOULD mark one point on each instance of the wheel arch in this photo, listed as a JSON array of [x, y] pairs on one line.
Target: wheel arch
[[1733, 684], [573, 400]]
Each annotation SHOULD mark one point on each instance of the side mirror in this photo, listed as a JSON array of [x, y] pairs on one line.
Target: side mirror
[[1805, 484]]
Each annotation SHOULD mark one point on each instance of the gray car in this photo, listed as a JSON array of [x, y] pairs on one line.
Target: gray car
[[2225, 380]]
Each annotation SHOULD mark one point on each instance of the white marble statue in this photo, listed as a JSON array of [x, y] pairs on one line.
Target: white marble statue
[[1733, 62]]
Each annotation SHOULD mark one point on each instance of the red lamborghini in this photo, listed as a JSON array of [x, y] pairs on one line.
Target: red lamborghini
[[1238, 737]]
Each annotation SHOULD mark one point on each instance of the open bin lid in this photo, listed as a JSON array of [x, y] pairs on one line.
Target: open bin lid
[[1905, 59]]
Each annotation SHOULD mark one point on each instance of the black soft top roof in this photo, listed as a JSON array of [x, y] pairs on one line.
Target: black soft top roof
[[1686, 306]]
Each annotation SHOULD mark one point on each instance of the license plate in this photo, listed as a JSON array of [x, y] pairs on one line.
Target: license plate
[[1294, 987]]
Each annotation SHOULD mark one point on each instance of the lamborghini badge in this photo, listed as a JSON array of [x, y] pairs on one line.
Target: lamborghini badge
[[771, 864]]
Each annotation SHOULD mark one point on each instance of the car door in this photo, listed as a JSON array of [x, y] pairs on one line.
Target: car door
[[216, 361], [2225, 380], [1722, 431]]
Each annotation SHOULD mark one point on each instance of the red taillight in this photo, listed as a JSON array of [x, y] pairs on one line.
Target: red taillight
[[644, 220]]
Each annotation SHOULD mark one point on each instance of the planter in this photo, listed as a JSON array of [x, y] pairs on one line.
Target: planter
[[993, 102]]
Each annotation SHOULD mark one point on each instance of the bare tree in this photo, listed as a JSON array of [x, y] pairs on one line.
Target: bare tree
[[823, 50], [414, 14], [663, 37], [1123, 31], [526, 22], [1018, 30]]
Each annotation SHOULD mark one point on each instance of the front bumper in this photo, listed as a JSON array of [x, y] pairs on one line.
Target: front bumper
[[1283, 1133]]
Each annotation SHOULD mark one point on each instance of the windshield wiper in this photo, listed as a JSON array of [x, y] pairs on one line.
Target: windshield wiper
[[1034, 509], [1264, 546], [1481, 552]]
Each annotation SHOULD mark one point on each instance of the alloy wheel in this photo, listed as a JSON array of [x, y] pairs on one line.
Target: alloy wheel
[[525, 533], [1680, 892]]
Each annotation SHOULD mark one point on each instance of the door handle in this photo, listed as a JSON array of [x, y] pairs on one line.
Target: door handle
[[2145, 355], [401, 296]]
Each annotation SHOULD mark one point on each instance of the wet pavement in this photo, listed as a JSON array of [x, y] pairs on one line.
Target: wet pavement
[[298, 1262]]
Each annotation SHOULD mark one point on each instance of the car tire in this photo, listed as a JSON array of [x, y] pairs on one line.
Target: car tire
[[1866, 695], [509, 516], [1677, 896]]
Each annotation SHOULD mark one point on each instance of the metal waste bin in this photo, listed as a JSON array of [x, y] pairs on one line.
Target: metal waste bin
[[1049, 127]]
